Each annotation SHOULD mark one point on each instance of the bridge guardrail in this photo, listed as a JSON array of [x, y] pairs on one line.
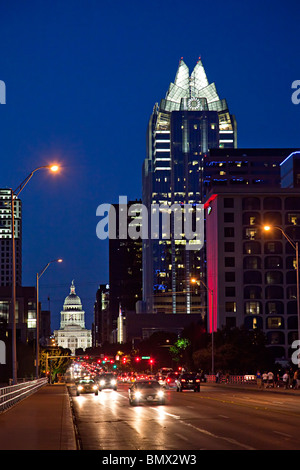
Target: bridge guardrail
[[12, 394]]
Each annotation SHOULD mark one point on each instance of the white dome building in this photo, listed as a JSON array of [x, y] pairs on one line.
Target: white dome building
[[72, 333]]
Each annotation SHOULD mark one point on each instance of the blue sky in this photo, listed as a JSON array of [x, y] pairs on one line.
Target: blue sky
[[82, 78]]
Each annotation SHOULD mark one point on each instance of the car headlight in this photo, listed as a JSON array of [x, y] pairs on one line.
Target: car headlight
[[160, 394], [95, 387], [80, 387], [137, 395], [113, 382], [102, 382]]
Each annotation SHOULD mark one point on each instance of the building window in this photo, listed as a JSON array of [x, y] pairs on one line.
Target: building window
[[251, 218], [230, 276], [274, 292], [273, 262], [293, 218], [274, 277], [251, 233], [273, 247], [229, 246], [252, 262], [230, 291], [272, 203], [274, 308], [229, 262], [252, 277], [274, 322], [229, 232], [253, 308], [251, 203], [230, 307], [253, 292], [252, 248], [228, 202], [228, 217]]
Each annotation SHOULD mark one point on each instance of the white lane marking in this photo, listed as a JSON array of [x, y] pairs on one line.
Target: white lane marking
[[181, 436], [207, 433], [282, 434]]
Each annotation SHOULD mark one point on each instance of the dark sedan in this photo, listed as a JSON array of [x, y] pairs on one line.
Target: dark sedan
[[107, 381], [188, 381]]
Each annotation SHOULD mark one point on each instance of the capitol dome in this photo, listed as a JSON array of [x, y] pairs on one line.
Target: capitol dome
[[72, 301]]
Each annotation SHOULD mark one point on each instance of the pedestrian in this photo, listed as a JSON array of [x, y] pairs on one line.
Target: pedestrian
[[265, 379], [258, 379], [270, 379], [295, 379], [298, 379], [286, 380]]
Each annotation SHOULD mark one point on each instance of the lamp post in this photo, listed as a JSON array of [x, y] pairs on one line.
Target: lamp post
[[38, 276], [295, 245], [15, 194], [211, 292]]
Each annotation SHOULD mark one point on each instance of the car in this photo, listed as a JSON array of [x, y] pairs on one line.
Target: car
[[161, 379], [86, 386], [145, 391], [107, 381], [188, 381], [171, 380]]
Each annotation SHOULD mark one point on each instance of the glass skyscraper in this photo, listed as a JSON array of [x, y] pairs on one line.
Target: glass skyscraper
[[190, 120]]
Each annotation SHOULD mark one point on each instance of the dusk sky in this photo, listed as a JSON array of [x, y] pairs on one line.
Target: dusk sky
[[82, 78]]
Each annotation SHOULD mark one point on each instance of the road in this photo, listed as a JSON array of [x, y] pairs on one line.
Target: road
[[214, 419]]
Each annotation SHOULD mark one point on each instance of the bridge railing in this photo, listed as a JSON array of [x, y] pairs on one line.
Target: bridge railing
[[236, 379], [12, 394]]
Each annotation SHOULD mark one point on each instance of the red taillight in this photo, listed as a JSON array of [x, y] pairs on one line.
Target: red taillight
[[182, 380], [197, 380]]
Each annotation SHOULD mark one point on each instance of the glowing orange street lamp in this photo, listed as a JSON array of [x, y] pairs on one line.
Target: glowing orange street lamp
[[295, 245], [15, 194]]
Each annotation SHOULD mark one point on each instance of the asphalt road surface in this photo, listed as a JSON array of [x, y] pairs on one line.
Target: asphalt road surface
[[214, 419]]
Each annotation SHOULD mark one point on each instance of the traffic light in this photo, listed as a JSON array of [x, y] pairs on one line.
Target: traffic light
[[137, 359]]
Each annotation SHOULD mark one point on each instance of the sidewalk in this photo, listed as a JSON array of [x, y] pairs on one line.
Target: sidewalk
[[43, 421], [253, 387]]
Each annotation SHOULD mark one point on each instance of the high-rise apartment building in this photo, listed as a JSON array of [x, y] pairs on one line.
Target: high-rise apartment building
[[190, 120], [252, 272], [6, 238]]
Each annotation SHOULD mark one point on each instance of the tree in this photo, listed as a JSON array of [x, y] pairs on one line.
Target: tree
[[58, 361], [237, 351]]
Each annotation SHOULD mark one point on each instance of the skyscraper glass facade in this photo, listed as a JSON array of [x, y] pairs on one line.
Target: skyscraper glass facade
[[182, 128]]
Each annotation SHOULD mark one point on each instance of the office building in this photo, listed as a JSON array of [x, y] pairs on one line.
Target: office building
[[101, 324], [190, 120], [250, 272], [244, 167], [290, 170], [125, 263], [6, 239]]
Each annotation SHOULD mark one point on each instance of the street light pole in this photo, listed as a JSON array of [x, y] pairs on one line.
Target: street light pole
[[295, 245], [15, 194], [38, 276], [211, 292]]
